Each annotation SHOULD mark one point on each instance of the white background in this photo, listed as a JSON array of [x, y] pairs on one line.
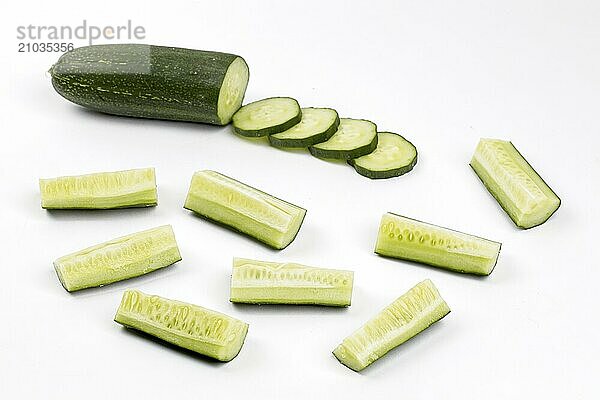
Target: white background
[[443, 74]]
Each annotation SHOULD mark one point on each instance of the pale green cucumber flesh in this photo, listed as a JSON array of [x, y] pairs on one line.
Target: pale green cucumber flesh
[[146, 81], [243, 208], [263, 282], [413, 240], [267, 116], [353, 138], [317, 125], [517, 187], [407, 316], [232, 90], [119, 259], [189, 326], [106, 190], [394, 156]]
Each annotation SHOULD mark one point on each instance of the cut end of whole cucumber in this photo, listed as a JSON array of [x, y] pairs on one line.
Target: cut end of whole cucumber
[[232, 90], [119, 259], [244, 208], [413, 240], [189, 326], [267, 116], [317, 125], [517, 187], [105, 190], [394, 156], [410, 314], [353, 138], [262, 282]]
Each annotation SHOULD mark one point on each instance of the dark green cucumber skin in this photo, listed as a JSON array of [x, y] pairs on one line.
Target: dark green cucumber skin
[[345, 154], [233, 229], [502, 206], [138, 80], [270, 130], [308, 141], [453, 230], [390, 173]]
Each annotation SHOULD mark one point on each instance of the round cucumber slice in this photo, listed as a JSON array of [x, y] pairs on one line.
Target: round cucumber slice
[[394, 156], [267, 116], [317, 125], [353, 138]]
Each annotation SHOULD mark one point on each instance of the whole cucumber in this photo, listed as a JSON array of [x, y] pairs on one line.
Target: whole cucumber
[[146, 81]]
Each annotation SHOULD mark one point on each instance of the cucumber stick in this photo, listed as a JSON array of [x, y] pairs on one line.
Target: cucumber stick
[[517, 187], [353, 138], [131, 188], [267, 116], [122, 258], [189, 326], [140, 80], [317, 125], [244, 209], [262, 282], [410, 314], [394, 156], [413, 240]]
